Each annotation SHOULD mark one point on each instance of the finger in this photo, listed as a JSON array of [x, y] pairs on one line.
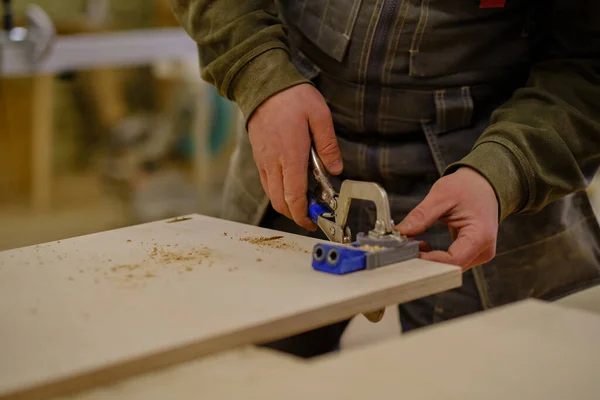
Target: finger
[[264, 181], [295, 184], [464, 251], [323, 135], [431, 209], [275, 182]]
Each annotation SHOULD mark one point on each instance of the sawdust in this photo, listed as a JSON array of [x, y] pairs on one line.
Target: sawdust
[[168, 257], [125, 267], [179, 219], [260, 239], [273, 242], [370, 248], [159, 259]]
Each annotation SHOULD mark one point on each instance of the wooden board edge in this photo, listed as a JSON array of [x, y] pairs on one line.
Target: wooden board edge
[[291, 325]]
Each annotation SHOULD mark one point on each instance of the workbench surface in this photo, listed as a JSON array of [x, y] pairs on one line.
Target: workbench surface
[[86, 311], [530, 350], [219, 376]]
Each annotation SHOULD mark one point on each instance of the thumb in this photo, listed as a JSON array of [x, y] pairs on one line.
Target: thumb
[[431, 209], [326, 145]]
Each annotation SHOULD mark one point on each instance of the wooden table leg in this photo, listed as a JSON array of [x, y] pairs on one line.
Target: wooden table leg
[[41, 150]]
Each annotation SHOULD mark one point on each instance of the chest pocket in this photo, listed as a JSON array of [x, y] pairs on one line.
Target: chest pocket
[[453, 37], [328, 24]]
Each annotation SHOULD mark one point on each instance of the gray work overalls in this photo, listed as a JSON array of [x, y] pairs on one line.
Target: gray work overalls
[[411, 85]]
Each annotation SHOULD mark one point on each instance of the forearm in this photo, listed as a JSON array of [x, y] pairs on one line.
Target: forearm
[[542, 143], [242, 47]]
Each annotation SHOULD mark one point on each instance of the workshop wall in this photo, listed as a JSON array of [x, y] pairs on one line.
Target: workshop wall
[[128, 145]]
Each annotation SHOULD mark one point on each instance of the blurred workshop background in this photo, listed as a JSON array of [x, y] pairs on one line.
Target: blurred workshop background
[[115, 128], [118, 137]]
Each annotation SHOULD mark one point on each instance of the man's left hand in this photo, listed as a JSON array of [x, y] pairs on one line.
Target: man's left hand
[[466, 202]]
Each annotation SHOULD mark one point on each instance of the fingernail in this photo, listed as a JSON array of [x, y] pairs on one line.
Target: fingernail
[[336, 167], [405, 225]]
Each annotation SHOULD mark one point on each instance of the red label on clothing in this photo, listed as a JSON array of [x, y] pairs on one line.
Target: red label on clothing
[[492, 3]]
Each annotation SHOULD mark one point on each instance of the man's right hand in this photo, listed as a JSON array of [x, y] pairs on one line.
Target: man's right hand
[[280, 132]]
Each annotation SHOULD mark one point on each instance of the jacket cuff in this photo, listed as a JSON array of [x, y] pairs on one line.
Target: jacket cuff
[[502, 169], [268, 72]]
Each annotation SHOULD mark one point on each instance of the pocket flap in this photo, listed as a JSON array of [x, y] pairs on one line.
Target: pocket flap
[[327, 24]]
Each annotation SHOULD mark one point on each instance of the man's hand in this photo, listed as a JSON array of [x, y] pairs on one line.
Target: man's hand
[[280, 134], [465, 202]]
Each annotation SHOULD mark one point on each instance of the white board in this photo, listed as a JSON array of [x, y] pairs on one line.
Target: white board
[[531, 350], [202, 379], [89, 310]]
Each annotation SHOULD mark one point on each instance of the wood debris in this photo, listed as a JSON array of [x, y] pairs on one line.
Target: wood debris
[[178, 219], [260, 239]]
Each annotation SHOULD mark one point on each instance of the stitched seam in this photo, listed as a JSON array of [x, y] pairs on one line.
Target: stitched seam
[[414, 46], [393, 45], [433, 147], [471, 106], [440, 107], [360, 94], [463, 95], [352, 19], [238, 65], [558, 234], [424, 24], [366, 50], [322, 21]]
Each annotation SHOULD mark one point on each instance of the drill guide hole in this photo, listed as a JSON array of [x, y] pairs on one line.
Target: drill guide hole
[[319, 253], [332, 256]]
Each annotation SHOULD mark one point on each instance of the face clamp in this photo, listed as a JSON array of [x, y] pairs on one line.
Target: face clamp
[[379, 247]]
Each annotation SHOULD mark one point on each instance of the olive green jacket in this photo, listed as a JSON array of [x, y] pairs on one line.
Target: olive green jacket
[[541, 145]]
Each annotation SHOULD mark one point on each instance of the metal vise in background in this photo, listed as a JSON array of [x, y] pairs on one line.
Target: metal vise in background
[[28, 45]]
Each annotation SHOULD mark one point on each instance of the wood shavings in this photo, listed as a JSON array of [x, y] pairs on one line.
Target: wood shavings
[[260, 239], [371, 248], [127, 267], [273, 242], [159, 259], [179, 219]]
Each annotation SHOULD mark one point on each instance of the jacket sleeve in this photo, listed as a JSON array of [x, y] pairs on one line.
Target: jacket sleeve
[[544, 142], [242, 46]]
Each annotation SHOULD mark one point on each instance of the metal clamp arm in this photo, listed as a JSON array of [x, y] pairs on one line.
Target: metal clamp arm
[[366, 191]]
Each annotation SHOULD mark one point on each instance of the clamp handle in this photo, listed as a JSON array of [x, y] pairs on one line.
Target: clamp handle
[[315, 210], [328, 194]]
